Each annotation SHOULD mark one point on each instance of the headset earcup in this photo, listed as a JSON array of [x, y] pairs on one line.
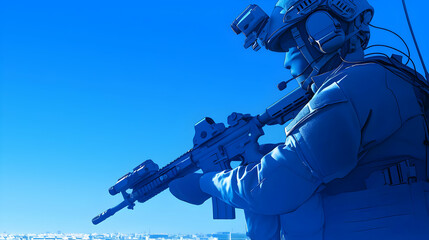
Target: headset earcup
[[325, 32]]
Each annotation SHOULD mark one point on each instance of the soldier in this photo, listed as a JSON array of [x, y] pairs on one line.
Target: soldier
[[354, 164]]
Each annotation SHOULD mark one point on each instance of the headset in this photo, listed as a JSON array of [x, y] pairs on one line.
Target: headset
[[325, 32]]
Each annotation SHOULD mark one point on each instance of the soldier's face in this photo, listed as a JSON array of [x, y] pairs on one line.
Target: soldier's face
[[295, 62]]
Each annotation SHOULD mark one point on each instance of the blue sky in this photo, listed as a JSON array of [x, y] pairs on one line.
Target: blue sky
[[90, 89]]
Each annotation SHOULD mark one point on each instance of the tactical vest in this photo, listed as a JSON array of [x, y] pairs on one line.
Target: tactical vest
[[385, 198]]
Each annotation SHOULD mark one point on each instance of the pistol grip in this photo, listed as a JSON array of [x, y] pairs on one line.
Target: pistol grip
[[222, 210]]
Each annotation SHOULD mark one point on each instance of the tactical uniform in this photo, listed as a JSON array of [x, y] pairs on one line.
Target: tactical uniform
[[353, 165]]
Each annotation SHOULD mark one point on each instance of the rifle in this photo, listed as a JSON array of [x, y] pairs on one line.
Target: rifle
[[215, 147]]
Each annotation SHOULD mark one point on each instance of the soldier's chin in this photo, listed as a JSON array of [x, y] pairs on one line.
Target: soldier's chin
[[294, 74]]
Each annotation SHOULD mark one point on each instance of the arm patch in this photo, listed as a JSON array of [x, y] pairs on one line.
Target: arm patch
[[329, 95]]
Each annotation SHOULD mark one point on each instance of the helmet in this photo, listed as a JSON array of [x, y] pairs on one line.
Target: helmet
[[313, 26], [321, 22]]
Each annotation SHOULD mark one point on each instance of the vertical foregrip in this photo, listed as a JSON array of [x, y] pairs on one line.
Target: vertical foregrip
[[222, 210]]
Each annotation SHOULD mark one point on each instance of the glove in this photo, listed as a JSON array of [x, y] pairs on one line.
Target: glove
[[188, 189]]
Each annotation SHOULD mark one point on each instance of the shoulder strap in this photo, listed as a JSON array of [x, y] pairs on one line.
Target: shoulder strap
[[395, 65]]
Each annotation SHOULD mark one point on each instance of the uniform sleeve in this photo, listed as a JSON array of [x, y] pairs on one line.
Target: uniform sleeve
[[321, 145]]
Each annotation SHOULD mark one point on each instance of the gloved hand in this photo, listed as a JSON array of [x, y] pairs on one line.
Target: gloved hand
[[188, 189]]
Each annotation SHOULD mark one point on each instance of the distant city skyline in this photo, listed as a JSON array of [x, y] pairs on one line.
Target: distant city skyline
[[120, 236]]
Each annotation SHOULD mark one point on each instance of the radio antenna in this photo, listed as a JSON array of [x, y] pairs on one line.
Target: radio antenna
[[415, 41]]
